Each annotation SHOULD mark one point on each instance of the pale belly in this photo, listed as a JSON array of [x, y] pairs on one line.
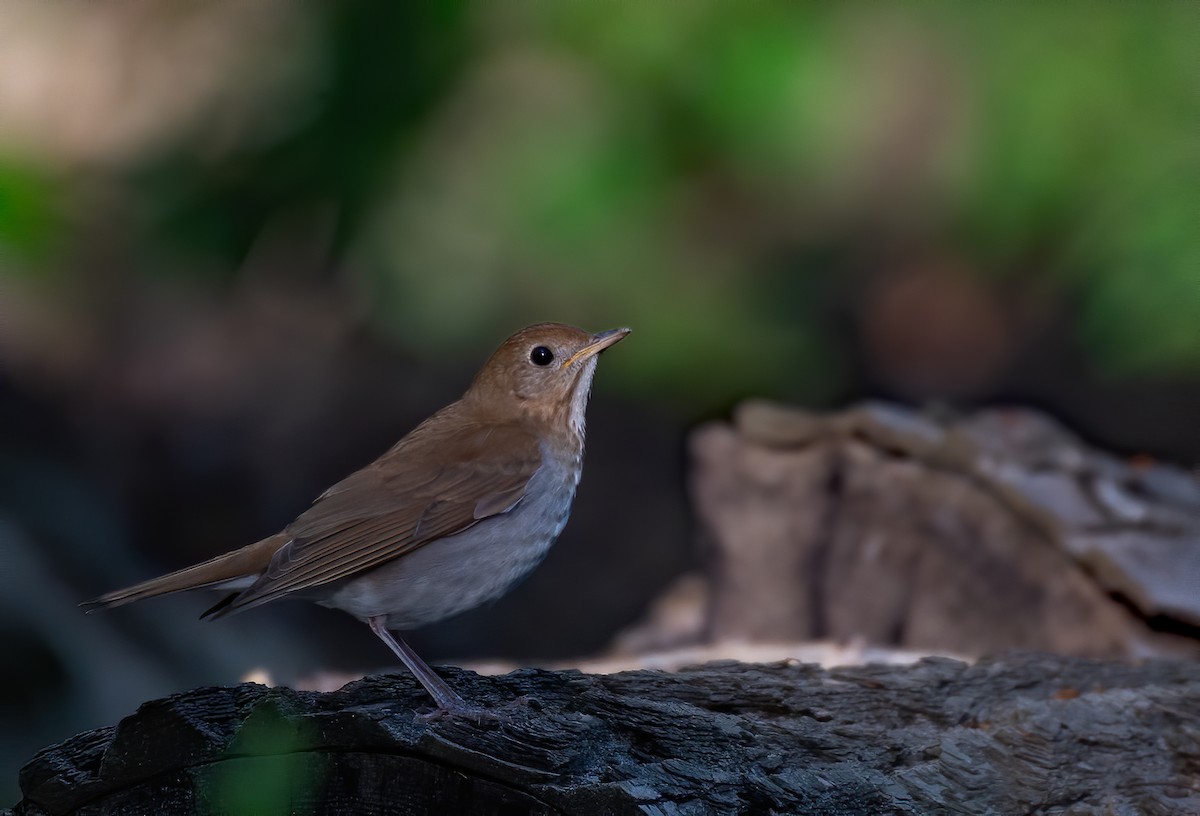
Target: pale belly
[[457, 573]]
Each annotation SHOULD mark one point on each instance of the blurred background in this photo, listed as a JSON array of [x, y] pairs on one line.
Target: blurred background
[[246, 247]]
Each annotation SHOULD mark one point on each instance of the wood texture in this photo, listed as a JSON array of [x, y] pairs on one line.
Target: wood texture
[[999, 531], [1023, 734]]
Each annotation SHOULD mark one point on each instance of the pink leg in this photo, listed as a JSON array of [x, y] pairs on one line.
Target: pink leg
[[442, 694]]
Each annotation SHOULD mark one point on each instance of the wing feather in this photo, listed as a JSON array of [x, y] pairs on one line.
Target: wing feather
[[436, 482]]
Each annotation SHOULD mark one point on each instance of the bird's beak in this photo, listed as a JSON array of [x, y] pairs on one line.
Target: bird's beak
[[599, 343]]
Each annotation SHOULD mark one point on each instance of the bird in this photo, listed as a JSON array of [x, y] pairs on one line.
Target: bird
[[452, 516]]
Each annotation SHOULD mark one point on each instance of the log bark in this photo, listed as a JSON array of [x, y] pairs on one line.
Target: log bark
[[1019, 734]]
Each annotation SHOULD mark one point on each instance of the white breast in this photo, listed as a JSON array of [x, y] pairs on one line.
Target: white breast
[[459, 572]]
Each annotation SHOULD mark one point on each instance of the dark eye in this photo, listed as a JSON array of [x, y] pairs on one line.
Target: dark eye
[[541, 356]]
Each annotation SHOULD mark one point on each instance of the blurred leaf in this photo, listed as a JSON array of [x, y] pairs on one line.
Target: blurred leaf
[[387, 64], [266, 770], [29, 219], [765, 87], [1142, 310]]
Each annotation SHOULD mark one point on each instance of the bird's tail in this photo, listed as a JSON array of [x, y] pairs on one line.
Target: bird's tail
[[234, 570]]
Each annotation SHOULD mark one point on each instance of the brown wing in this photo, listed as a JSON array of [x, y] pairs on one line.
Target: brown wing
[[435, 482]]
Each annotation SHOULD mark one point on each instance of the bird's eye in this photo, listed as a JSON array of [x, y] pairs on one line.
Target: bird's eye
[[541, 356]]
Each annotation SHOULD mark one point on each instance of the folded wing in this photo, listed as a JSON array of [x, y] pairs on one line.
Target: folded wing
[[423, 489]]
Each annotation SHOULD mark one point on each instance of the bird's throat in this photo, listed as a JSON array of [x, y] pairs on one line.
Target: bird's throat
[[577, 409]]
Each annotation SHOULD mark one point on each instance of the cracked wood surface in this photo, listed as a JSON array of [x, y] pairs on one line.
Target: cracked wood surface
[[1021, 734], [997, 532]]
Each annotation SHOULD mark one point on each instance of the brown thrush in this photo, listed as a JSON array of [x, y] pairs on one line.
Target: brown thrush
[[452, 516]]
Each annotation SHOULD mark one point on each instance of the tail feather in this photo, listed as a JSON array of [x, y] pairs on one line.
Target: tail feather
[[234, 570], [221, 608]]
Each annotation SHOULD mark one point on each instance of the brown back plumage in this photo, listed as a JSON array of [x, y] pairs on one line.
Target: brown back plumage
[[441, 479]]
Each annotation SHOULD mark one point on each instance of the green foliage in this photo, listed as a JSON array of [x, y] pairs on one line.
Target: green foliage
[[266, 770], [29, 218], [658, 164]]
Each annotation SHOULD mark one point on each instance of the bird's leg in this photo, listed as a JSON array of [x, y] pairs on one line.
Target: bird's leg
[[442, 694]]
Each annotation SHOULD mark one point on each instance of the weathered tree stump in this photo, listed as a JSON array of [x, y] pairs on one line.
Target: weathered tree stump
[[1023, 734], [975, 536]]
